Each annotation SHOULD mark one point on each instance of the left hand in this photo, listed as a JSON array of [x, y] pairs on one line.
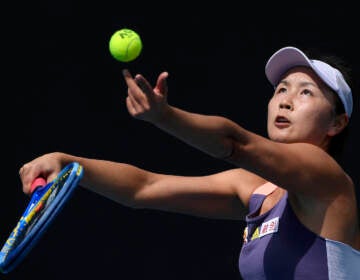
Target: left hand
[[144, 102]]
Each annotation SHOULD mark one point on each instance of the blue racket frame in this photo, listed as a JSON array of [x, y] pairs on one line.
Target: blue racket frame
[[11, 253]]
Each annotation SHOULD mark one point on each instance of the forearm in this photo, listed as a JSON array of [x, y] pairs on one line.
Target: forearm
[[214, 135], [117, 181]]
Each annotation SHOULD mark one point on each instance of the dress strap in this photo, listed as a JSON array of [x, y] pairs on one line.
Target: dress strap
[[265, 189]]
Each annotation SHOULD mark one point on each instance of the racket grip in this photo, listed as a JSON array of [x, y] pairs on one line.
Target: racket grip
[[38, 182]]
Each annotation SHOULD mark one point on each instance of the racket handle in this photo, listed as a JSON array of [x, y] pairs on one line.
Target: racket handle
[[38, 182]]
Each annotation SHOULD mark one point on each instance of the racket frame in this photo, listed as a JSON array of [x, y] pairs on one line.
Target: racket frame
[[38, 215]]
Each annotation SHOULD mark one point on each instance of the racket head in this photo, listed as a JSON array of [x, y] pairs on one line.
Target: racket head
[[45, 204]]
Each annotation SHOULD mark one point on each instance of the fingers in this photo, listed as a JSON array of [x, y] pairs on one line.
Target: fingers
[[27, 175], [127, 76], [24, 170], [47, 166], [133, 107], [21, 170], [161, 85], [143, 101], [130, 106], [138, 88], [144, 85], [139, 82]]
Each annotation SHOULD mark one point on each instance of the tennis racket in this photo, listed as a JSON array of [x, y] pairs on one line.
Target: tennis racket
[[46, 202]]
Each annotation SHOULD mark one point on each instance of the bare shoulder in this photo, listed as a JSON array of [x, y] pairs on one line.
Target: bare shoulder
[[316, 173], [332, 215], [297, 167]]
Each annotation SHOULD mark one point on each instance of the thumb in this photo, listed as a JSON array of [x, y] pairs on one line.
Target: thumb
[[161, 84]]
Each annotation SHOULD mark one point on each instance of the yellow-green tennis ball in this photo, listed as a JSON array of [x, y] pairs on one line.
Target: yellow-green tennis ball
[[125, 45]]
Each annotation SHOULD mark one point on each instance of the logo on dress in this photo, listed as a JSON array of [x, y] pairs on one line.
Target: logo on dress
[[267, 227], [270, 226]]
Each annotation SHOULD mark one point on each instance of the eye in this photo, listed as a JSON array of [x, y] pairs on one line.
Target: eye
[[280, 90], [306, 92]]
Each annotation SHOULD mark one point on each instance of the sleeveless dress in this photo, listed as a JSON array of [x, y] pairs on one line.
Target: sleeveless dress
[[278, 246]]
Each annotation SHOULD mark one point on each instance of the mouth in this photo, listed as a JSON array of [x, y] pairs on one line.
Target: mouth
[[282, 122]]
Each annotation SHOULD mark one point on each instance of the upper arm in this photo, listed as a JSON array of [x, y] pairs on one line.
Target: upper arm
[[301, 168], [222, 195]]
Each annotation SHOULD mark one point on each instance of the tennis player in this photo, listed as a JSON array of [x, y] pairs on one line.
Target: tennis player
[[299, 204]]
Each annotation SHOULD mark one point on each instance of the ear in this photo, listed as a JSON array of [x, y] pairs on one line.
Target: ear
[[339, 123]]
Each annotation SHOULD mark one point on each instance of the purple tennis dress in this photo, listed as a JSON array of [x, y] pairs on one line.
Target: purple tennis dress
[[278, 246]]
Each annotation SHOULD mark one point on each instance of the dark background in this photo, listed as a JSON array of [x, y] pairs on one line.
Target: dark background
[[67, 94]]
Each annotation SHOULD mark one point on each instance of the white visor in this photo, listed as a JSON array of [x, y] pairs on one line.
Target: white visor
[[286, 58]]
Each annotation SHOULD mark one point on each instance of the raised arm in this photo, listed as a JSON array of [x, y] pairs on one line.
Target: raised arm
[[298, 167], [210, 134]]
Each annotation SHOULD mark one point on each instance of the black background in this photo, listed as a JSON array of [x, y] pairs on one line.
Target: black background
[[67, 94]]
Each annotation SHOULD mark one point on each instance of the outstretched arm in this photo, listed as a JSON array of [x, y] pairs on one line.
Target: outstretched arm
[[222, 195]]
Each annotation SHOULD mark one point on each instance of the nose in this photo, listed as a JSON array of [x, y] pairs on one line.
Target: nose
[[286, 104]]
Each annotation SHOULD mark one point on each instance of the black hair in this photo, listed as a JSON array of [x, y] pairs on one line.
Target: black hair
[[337, 144]]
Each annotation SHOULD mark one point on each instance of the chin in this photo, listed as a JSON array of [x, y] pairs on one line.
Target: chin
[[283, 139]]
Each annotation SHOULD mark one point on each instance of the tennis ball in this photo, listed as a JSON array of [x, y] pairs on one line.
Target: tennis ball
[[125, 45]]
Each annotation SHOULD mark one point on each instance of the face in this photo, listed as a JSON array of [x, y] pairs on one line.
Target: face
[[301, 109]]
